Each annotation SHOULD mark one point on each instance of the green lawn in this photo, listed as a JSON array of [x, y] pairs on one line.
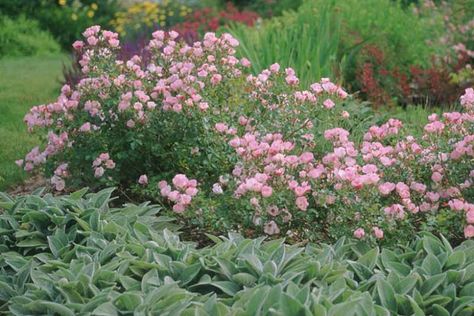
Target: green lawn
[[24, 82]]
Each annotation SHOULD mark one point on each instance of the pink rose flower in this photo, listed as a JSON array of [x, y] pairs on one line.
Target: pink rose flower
[[469, 231], [328, 104], [359, 233], [378, 233], [99, 172], [470, 217], [180, 181], [221, 127], [302, 203], [266, 191], [436, 177], [143, 180]]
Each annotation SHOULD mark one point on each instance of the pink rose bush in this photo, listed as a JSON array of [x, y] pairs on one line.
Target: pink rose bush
[[183, 193], [270, 155]]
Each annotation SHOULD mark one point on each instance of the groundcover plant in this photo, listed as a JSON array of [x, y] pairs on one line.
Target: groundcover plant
[[74, 255], [226, 150]]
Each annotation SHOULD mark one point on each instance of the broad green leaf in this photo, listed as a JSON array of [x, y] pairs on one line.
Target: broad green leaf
[[456, 260], [406, 284], [431, 265], [189, 273], [417, 311], [386, 295], [290, 306], [77, 195], [369, 259], [106, 309], [432, 245], [6, 291], [128, 301], [438, 310], [101, 199], [32, 243], [56, 308], [436, 299], [431, 284], [467, 290], [398, 267], [345, 308], [244, 279]]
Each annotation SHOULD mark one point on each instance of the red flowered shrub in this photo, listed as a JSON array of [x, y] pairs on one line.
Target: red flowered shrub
[[263, 154], [209, 20], [379, 83], [383, 84], [449, 74], [432, 86]]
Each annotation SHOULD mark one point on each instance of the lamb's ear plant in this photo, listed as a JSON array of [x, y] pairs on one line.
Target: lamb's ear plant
[[74, 254]]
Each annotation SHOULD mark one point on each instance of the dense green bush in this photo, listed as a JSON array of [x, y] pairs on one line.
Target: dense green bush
[[73, 255], [65, 19], [266, 8], [22, 37]]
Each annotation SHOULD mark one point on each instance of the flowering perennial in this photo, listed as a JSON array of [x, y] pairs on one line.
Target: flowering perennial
[[269, 155]]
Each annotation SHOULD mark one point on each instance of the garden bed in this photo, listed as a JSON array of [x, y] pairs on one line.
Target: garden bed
[[281, 164]]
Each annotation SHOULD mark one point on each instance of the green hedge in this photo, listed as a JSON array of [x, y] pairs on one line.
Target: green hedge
[[23, 37], [73, 254]]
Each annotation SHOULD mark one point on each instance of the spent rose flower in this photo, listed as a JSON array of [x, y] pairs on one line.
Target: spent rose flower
[[143, 180]]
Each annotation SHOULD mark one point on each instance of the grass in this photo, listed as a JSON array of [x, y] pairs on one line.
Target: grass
[[24, 82], [307, 42]]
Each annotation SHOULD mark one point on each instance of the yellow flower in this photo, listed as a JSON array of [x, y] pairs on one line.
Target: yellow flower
[[94, 6], [74, 16], [62, 2], [90, 13]]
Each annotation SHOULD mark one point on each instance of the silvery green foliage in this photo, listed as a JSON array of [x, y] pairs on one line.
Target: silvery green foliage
[[74, 255]]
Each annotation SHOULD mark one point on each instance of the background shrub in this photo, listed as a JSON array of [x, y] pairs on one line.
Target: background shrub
[[23, 37], [326, 38], [65, 19], [145, 16], [268, 8]]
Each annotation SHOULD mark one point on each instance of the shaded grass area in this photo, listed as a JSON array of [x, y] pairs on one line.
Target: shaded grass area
[[24, 82]]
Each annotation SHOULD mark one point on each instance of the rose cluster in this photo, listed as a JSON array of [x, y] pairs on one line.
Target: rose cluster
[[270, 155]]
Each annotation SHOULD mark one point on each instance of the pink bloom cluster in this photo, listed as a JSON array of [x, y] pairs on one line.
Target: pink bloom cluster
[[102, 163], [173, 80], [37, 157], [183, 193], [60, 173], [294, 152], [379, 170]]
